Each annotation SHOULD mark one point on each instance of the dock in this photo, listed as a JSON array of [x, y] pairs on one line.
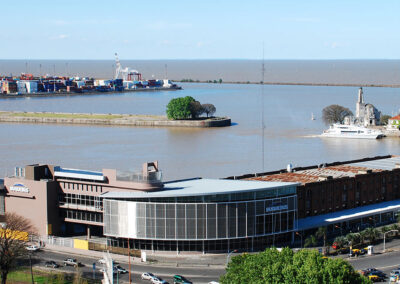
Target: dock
[[98, 119]]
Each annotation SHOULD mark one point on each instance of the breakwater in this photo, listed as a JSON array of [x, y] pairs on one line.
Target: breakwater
[[110, 119]]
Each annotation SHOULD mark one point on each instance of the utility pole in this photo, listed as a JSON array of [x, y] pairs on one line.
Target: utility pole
[[262, 108], [129, 261]]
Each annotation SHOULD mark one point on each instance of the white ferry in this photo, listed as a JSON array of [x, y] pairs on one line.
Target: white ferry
[[351, 131]]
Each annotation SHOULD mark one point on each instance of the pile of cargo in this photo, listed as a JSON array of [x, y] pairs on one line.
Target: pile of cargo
[[29, 84]]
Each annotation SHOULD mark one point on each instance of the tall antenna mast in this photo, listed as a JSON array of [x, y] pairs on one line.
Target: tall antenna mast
[[262, 107]]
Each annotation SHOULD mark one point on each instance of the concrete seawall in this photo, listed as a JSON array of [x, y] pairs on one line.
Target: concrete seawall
[[109, 119]]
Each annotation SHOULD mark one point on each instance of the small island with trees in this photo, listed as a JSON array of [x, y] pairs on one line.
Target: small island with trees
[[181, 112]]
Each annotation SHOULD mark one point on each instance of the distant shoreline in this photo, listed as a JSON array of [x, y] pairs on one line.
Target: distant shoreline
[[294, 84]]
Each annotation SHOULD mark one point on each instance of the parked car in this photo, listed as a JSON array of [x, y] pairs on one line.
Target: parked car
[[181, 279], [33, 248], [157, 280], [213, 282], [147, 276], [375, 278], [395, 272], [52, 264], [72, 262], [120, 269]]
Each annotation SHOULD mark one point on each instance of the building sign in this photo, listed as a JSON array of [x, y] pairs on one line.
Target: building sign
[[19, 187], [276, 208]]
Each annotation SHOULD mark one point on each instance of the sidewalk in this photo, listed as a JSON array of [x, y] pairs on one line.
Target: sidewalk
[[163, 259]]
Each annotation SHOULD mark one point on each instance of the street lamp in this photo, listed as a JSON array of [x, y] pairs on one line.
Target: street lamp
[[229, 254], [384, 238], [301, 239]]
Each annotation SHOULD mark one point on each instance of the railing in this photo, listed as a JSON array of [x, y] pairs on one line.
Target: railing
[[152, 177], [58, 241]]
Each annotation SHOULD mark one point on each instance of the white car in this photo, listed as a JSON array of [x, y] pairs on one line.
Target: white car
[[147, 276], [213, 282], [33, 248], [156, 280]]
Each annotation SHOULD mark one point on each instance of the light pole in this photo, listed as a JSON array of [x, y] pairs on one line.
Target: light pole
[[229, 254], [301, 239], [384, 238], [30, 262]]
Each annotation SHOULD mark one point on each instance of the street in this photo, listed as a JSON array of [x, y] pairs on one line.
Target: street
[[201, 274]]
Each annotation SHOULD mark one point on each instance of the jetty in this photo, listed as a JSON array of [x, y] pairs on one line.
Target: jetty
[[109, 119]]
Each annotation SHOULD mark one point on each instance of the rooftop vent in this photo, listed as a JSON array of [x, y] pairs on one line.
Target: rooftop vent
[[289, 168], [367, 171], [324, 177]]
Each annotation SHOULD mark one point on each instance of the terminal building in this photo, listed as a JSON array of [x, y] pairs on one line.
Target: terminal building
[[189, 215], [247, 213]]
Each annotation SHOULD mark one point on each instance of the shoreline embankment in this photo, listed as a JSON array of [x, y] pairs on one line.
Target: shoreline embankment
[[109, 119], [295, 84]]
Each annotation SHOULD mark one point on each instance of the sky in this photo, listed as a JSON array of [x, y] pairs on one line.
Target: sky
[[200, 29]]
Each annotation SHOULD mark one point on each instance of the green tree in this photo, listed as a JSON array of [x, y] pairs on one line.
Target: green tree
[[310, 241], [305, 266], [335, 114], [220, 81], [341, 241], [353, 238], [321, 233], [372, 234], [179, 108]]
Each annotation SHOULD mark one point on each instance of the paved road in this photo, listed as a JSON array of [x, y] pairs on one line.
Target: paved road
[[201, 274], [382, 261]]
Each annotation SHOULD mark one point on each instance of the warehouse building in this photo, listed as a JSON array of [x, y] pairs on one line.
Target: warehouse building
[[345, 196]]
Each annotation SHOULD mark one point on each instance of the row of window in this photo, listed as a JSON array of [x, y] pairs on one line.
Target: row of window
[[83, 215], [81, 187], [81, 200]]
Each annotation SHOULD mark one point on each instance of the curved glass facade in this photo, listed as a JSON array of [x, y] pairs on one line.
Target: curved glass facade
[[199, 221]]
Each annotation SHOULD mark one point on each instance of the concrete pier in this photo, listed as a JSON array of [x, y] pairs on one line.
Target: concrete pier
[[110, 119]]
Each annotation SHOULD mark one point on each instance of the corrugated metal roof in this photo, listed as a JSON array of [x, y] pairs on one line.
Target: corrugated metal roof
[[381, 164], [337, 171]]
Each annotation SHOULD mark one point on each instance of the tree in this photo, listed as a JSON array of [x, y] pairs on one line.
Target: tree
[[353, 238], [13, 237], [335, 114], [179, 108], [341, 241], [209, 109], [196, 109], [304, 266], [371, 234], [321, 233], [385, 119], [311, 241]]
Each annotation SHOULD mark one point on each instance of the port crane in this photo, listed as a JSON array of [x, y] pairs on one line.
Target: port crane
[[127, 73]]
